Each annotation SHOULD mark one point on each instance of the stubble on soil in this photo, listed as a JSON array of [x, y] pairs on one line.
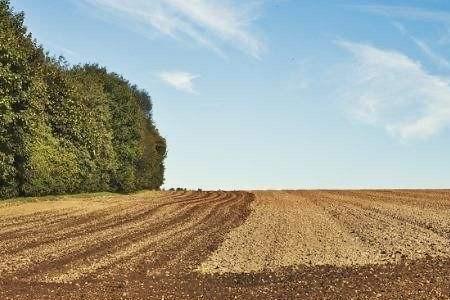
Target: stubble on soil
[[228, 245]]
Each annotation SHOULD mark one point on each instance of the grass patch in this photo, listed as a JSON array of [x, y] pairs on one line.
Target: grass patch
[[58, 197]]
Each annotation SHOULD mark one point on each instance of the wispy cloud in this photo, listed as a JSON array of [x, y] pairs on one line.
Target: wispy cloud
[[436, 58], [182, 81], [407, 12], [417, 14], [57, 49], [388, 89], [445, 37], [211, 23]]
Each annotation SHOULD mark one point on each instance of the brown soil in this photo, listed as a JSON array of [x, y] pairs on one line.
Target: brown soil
[[228, 245]]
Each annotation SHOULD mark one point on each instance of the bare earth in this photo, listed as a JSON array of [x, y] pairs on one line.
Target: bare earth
[[228, 245]]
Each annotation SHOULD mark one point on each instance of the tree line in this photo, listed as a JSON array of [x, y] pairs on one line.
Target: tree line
[[69, 129]]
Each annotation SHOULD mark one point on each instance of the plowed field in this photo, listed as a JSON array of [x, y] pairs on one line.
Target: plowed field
[[221, 245]]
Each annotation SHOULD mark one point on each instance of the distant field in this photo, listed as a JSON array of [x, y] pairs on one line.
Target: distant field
[[189, 245]]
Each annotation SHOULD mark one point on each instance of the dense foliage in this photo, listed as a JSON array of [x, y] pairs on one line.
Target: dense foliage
[[70, 129]]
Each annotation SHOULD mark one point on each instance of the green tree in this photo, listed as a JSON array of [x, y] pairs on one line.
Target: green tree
[[70, 129], [17, 57]]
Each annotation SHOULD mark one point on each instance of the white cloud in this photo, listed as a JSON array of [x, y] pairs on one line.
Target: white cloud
[[388, 89], [416, 14], [182, 81], [60, 50], [210, 23], [445, 37], [436, 58], [407, 12]]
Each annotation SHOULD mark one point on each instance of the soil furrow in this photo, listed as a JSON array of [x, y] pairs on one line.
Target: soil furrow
[[365, 244], [102, 257]]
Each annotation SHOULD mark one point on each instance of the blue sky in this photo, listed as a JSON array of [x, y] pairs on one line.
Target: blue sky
[[276, 93]]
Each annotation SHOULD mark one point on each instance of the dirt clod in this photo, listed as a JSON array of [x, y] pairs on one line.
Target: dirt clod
[[229, 245]]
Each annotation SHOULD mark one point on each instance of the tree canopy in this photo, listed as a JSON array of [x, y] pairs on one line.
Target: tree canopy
[[67, 129]]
